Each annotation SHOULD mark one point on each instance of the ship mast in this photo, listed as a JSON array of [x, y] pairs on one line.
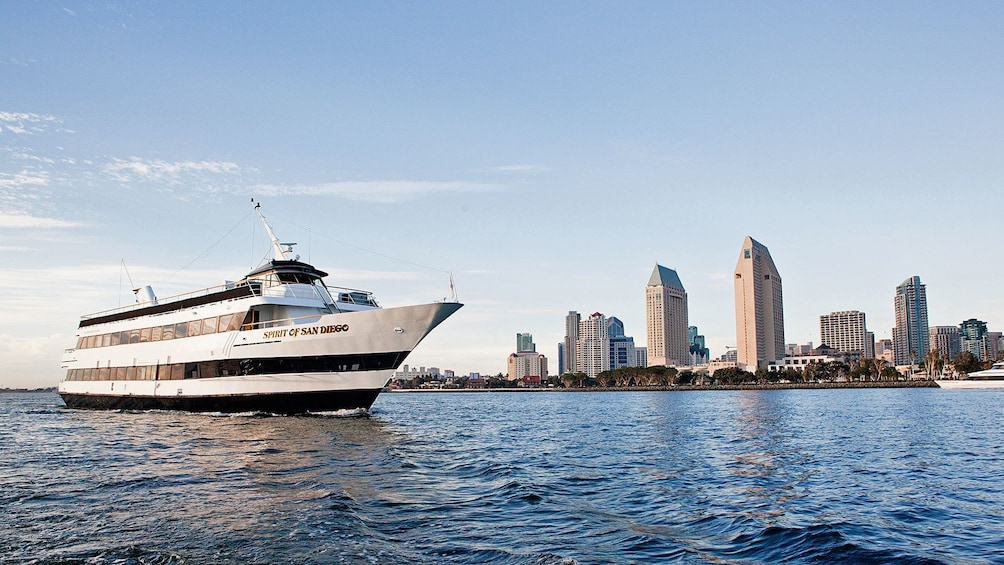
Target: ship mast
[[279, 253]]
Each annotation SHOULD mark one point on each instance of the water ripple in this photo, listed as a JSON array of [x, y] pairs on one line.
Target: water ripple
[[847, 476]]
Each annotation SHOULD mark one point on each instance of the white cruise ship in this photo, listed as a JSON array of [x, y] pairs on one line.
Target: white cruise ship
[[278, 341], [990, 378]]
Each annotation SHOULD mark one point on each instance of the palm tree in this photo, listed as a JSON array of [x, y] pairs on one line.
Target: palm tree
[[933, 363]]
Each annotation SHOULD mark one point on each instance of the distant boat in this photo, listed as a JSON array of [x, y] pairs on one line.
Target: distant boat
[[279, 341], [990, 378]]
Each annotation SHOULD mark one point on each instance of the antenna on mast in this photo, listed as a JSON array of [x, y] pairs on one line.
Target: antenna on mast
[[280, 251]]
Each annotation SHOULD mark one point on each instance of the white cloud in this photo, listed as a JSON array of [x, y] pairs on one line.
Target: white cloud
[[25, 122], [23, 179], [21, 221], [373, 191], [136, 169]]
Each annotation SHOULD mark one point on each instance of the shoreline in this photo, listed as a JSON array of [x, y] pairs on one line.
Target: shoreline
[[687, 388]]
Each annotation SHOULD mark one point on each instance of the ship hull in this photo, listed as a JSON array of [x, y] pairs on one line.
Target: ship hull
[[287, 403], [971, 384]]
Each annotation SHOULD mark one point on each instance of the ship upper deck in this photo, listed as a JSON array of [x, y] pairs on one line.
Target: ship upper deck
[[274, 279]]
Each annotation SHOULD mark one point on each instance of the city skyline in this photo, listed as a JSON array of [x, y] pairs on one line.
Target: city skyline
[[545, 155]]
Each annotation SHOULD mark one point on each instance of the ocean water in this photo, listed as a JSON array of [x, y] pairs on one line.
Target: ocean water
[[868, 475]]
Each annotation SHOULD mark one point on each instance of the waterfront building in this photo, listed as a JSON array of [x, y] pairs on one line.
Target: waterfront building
[[793, 349], [844, 331], [822, 354], [408, 373], [592, 349], [759, 307], [699, 352], [527, 364], [974, 339], [947, 340], [884, 350], [641, 357], [622, 349], [869, 345], [994, 345], [910, 337], [561, 358], [524, 342], [666, 318], [572, 321]]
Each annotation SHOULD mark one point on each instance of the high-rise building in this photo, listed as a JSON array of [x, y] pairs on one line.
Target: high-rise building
[[527, 364], [699, 352], [666, 318], [759, 307], [884, 350], [844, 331], [974, 339], [572, 321], [524, 342], [641, 357], [946, 340], [592, 349], [869, 345], [561, 358], [622, 349], [911, 334], [994, 345]]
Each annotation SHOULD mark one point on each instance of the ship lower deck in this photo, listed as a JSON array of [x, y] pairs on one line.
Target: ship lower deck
[[273, 403]]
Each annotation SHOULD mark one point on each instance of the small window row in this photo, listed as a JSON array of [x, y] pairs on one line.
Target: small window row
[[225, 323], [169, 372]]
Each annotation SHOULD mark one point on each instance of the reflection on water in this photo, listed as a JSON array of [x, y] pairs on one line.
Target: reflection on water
[[633, 477]]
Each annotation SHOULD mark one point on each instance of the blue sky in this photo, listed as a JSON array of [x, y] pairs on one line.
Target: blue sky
[[548, 154]]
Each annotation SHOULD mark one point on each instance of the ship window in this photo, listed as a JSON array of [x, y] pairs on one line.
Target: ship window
[[229, 323], [120, 373], [140, 373], [106, 340], [209, 326], [251, 320], [208, 370], [130, 374], [156, 332], [168, 332], [180, 330], [134, 336], [144, 335], [177, 371], [191, 370], [104, 373], [80, 343], [194, 328], [116, 338]]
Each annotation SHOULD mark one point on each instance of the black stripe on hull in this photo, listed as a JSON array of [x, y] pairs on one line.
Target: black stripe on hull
[[275, 403]]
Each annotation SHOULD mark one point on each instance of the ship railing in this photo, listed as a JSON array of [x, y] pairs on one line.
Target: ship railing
[[345, 295], [266, 324], [253, 286]]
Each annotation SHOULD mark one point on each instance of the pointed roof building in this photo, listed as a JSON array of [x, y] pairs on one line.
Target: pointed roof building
[[759, 307], [666, 318]]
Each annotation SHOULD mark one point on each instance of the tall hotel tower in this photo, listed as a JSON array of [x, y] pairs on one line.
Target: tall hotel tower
[[844, 331], [666, 319], [571, 339], [910, 337], [759, 311]]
